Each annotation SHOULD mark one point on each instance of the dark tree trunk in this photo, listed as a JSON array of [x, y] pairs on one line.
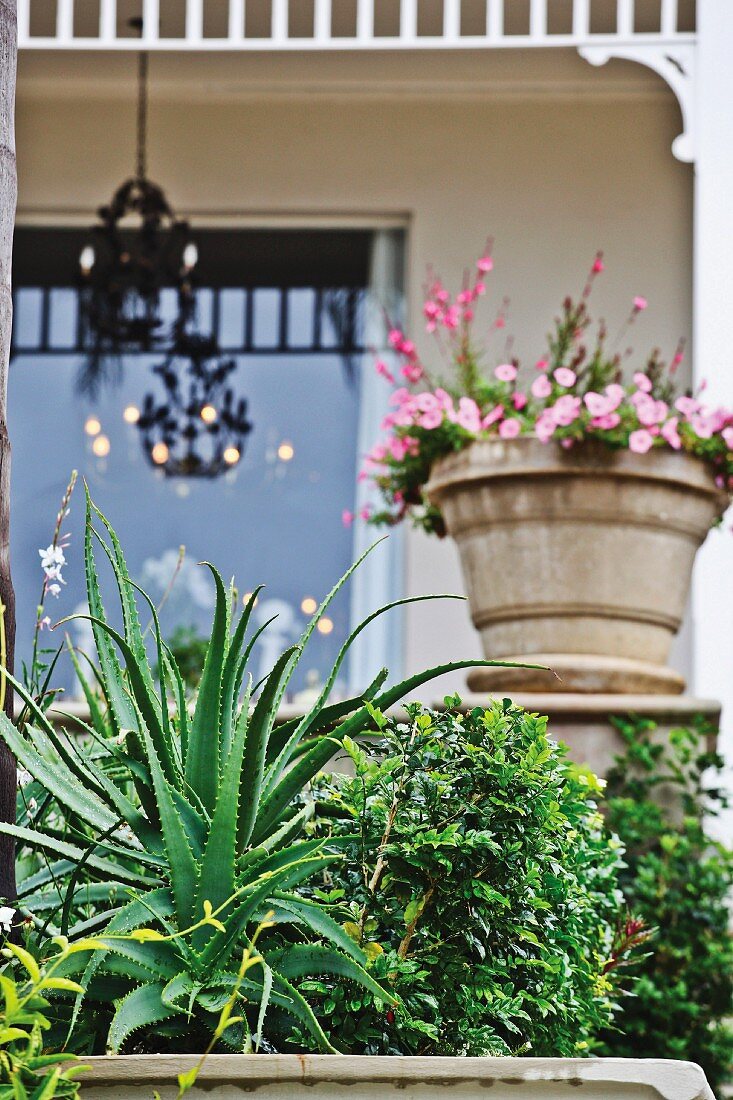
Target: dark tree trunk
[[8, 193]]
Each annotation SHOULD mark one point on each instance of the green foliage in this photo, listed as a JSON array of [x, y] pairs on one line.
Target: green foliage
[[172, 834], [27, 1071], [481, 884], [663, 793], [189, 652]]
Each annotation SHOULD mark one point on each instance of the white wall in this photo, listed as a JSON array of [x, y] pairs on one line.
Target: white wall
[[552, 158]]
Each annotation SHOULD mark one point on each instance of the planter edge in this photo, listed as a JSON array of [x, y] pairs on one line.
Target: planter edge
[[671, 1080]]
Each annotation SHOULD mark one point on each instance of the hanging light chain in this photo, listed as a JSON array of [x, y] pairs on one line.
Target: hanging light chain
[[142, 114]]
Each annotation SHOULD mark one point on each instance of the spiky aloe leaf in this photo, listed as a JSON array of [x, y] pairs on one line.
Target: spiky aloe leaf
[[104, 868], [148, 706], [260, 725], [172, 747], [203, 755], [301, 959], [308, 719], [57, 780], [146, 833], [140, 1008], [182, 987], [217, 879], [327, 717], [217, 951], [125, 587], [314, 916], [159, 957], [92, 701], [158, 904], [174, 675], [122, 711], [233, 674], [300, 1009], [308, 765]]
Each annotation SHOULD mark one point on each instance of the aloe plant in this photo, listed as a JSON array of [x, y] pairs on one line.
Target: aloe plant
[[186, 829]]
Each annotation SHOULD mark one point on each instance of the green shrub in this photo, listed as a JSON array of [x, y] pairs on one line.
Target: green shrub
[[481, 883], [661, 798], [174, 831]]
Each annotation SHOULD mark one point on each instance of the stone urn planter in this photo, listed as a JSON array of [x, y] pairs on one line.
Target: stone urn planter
[[289, 1077], [580, 560]]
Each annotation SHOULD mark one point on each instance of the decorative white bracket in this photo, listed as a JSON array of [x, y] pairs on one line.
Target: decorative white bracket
[[675, 63]]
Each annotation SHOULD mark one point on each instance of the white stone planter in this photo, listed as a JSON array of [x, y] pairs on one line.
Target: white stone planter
[[286, 1076], [580, 560]]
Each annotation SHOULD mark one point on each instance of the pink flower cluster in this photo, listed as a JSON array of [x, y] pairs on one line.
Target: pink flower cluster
[[575, 393]]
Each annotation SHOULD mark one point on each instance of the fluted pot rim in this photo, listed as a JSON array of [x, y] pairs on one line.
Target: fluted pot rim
[[527, 457]]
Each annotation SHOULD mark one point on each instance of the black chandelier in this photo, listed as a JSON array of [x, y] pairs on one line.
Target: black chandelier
[[198, 429], [137, 249]]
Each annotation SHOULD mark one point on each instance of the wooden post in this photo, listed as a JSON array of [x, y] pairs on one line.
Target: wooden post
[[8, 194]]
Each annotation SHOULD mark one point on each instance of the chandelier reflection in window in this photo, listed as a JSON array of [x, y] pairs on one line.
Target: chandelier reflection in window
[[137, 249], [199, 428]]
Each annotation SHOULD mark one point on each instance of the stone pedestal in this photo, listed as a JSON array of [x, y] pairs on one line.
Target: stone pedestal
[[583, 722]]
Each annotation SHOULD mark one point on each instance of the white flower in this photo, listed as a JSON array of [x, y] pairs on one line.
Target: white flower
[[53, 589], [52, 556], [32, 804], [24, 777], [6, 917]]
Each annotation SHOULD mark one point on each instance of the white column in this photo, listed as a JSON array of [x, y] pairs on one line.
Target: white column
[[713, 335]]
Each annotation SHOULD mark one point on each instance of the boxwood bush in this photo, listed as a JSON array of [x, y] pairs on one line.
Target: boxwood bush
[[663, 797], [482, 883]]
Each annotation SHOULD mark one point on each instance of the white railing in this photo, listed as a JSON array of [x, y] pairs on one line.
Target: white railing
[[351, 24]]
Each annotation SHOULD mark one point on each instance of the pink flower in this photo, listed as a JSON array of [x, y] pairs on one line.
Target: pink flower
[[444, 399], [640, 303], [616, 394], [485, 264], [347, 517], [395, 337], [519, 400], [469, 415], [643, 382], [433, 418], [506, 372], [687, 405], [402, 445], [44, 623], [491, 418], [565, 377], [545, 426], [670, 433], [702, 425], [598, 265], [542, 364], [382, 369], [651, 412], [597, 404], [640, 441], [479, 289], [727, 435], [566, 410], [365, 513], [509, 429], [412, 372], [541, 387], [606, 422]]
